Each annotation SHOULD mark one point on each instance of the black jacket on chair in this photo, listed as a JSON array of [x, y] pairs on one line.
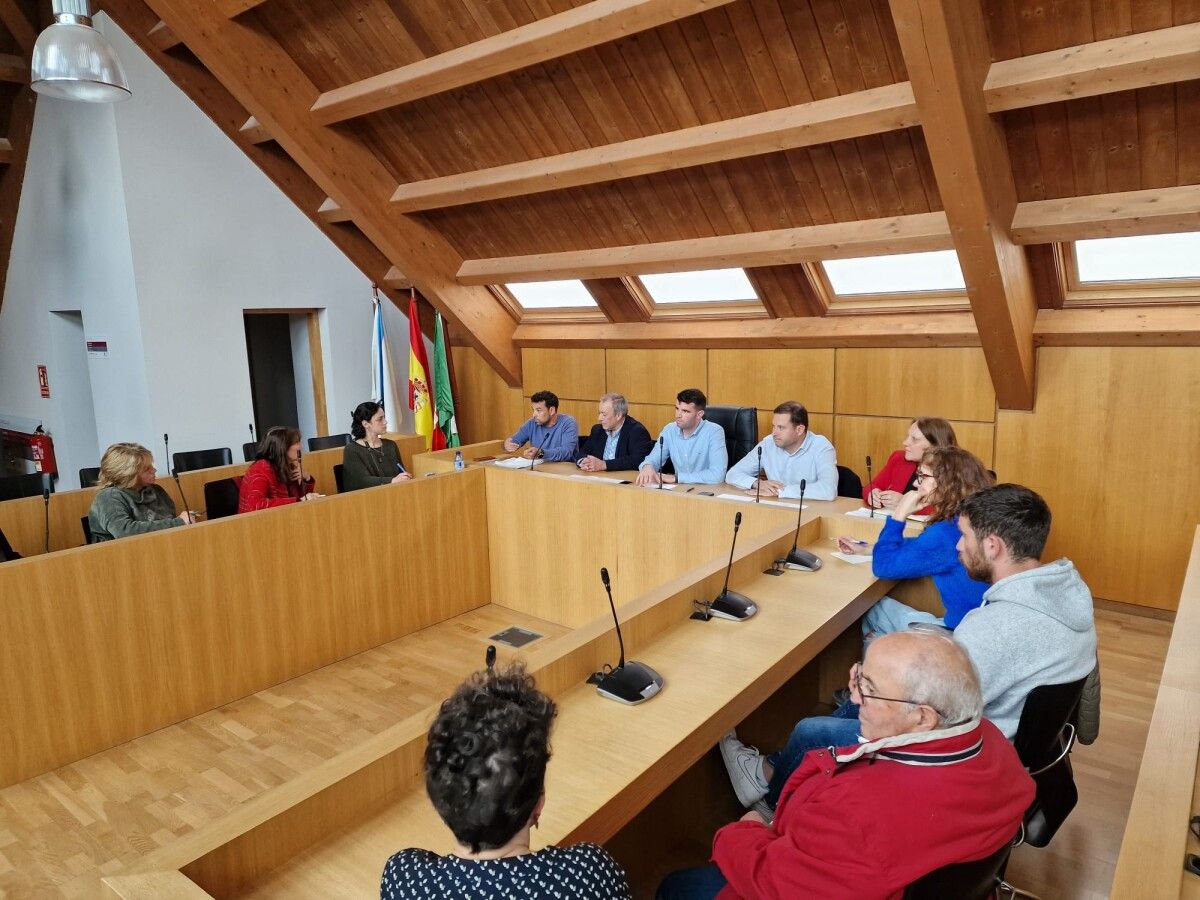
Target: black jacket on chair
[[633, 445]]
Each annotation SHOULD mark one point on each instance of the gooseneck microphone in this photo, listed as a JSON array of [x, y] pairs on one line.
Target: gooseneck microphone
[[730, 604], [757, 481], [490, 658], [46, 507], [533, 459], [175, 473], [630, 682], [253, 439], [300, 472], [797, 557], [660, 461], [869, 480]]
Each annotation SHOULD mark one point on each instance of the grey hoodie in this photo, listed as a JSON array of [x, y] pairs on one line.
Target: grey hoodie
[[1033, 628]]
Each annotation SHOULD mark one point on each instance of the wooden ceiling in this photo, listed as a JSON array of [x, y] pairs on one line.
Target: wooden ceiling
[[18, 31], [468, 141]]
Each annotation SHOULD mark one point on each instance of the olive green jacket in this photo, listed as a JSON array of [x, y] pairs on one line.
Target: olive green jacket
[[119, 512]]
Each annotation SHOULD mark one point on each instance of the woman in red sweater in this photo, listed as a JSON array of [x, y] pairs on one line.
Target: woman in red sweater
[[895, 479], [275, 478]]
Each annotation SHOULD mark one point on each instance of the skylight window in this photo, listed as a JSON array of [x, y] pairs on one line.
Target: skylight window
[[1154, 257], [569, 294], [904, 273], [711, 286]]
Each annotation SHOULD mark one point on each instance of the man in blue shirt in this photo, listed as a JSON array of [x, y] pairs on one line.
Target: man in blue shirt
[[551, 435], [696, 447], [790, 454]]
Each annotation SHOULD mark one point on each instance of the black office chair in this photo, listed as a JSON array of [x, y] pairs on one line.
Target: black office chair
[[1045, 736], [88, 477], [741, 428], [975, 880], [87, 530], [328, 442], [849, 484], [249, 451], [339, 478], [190, 460], [221, 498], [7, 553], [14, 487]]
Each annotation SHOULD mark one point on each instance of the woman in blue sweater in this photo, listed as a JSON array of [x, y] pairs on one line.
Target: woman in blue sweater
[[945, 477]]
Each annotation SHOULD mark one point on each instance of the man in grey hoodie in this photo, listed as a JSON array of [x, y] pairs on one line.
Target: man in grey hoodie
[[1035, 626]]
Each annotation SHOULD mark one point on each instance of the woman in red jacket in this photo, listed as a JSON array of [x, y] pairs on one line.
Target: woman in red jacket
[[895, 479], [275, 478]]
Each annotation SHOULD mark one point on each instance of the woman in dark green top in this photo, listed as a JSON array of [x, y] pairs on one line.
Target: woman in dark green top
[[370, 459], [129, 502]]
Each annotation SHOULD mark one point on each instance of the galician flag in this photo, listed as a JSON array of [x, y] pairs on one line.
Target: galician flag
[[420, 399], [383, 375], [443, 392]]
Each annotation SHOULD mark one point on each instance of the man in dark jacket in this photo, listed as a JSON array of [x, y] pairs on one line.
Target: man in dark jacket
[[617, 441]]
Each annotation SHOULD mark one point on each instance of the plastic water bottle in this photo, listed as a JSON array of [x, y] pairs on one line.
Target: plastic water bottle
[[459, 464]]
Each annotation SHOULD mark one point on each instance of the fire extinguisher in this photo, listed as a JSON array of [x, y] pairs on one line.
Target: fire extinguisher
[[42, 447]]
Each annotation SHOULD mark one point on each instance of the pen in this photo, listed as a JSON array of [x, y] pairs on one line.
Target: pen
[[856, 542], [689, 490]]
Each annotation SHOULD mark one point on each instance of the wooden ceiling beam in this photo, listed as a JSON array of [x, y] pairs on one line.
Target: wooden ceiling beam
[[786, 246], [397, 280], [14, 68], [18, 25], [1129, 326], [807, 124], [945, 49], [161, 37], [1104, 67], [254, 132], [20, 127], [1154, 211], [617, 300], [266, 82], [331, 212], [233, 8], [6, 152], [587, 25]]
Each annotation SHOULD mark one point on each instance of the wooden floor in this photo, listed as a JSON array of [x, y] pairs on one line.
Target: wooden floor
[[61, 831]]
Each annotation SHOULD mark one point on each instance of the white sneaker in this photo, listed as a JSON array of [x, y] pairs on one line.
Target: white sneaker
[[744, 765], [765, 811]]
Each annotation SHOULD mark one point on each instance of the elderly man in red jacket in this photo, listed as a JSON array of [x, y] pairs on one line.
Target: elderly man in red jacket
[[930, 784]]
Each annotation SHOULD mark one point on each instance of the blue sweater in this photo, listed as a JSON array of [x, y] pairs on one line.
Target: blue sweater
[[929, 553]]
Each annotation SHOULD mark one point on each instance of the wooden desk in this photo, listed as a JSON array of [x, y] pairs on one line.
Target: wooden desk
[[23, 521], [430, 461], [1167, 794]]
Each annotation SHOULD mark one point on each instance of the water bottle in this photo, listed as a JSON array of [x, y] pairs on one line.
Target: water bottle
[[459, 464]]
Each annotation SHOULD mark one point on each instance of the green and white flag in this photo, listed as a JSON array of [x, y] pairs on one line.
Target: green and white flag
[[443, 394]]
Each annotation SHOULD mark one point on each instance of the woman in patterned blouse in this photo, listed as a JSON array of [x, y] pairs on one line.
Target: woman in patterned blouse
[[485, 771]]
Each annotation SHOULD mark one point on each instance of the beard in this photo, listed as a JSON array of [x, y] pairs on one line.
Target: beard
[[977, 567]]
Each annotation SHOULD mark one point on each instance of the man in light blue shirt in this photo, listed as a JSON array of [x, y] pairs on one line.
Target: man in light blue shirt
[[790, 454], [696, 447], [551, 435]]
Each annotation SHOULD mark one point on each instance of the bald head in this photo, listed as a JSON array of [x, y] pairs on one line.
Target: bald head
[[930, 669]]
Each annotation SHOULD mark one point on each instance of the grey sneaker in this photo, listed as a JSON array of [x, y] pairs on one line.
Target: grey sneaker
[[764, 810], [744, 765]]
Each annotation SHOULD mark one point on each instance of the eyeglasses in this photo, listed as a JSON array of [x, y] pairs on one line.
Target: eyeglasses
[[921, 476], [856, 680]]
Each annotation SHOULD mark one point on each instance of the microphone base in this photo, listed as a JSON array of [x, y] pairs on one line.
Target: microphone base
[[733, 606], [631, 684], [805, 560]]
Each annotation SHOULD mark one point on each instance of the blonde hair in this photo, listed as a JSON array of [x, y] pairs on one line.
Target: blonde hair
[[122, 464]]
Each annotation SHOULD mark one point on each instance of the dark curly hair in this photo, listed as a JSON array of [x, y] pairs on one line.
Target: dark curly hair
[[364, 412], [485, 762], [958, 474]]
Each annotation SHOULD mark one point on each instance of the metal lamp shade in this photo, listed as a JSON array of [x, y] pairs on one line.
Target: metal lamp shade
[[75, 62]]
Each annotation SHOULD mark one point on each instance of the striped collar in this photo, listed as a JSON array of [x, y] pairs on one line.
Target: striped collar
[[892, 747]]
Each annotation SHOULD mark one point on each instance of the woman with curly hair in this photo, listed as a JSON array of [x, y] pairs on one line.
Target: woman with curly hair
[[276, 477], [485, 772]]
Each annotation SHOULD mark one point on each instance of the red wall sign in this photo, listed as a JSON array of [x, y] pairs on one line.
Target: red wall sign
[[44, 382]]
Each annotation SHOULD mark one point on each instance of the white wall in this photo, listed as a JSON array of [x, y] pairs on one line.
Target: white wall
[[145, 217]]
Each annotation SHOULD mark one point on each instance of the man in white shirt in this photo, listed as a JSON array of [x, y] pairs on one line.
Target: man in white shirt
[[790, 454]]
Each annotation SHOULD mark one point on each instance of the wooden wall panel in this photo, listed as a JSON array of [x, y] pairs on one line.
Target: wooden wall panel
[[653, 415], [656, 376], [856, 436], [1108, 445], [122, 638], [766, 378], [821, 423], [569, 373], [951, 382], [485, 408]]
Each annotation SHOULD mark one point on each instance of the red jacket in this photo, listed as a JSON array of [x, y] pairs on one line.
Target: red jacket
[[262, 489], [867, 824], [896, 475]]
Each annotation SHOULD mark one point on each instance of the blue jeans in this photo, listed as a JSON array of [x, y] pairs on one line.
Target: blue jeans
[[700, 883], [888, 616], [815, 732]]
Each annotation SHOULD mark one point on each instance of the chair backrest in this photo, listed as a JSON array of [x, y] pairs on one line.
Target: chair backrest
[[973, 880], [221, 497], [849, 484], [89, 477], [87, 529], [1041, 739], [741, 428], [339, 478], [14, 487], [328, 442], [190, 460], [249, 450]]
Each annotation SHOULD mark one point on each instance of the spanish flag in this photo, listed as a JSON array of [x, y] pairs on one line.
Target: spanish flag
[[420, 400]]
